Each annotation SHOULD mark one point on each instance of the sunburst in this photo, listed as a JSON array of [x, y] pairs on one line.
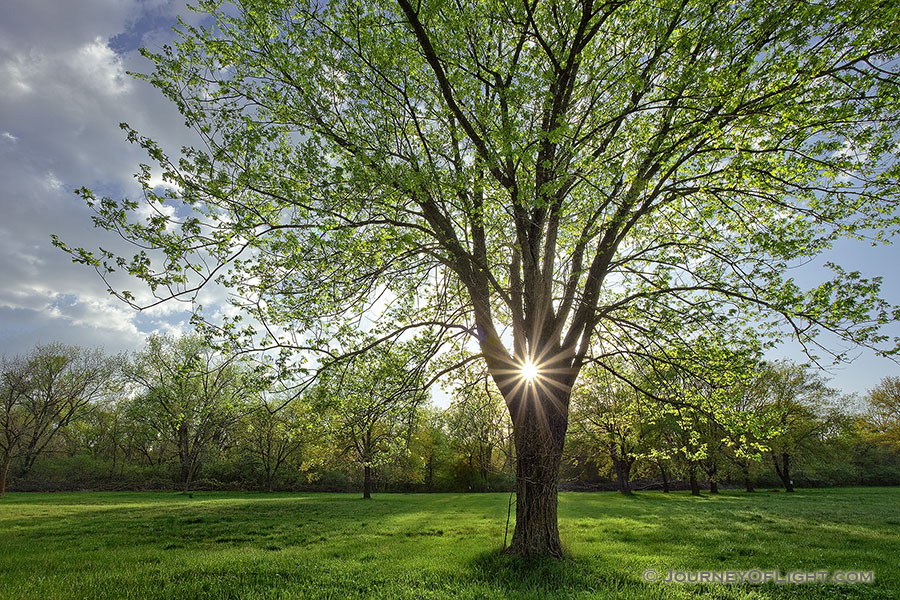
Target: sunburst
[[529, 371]]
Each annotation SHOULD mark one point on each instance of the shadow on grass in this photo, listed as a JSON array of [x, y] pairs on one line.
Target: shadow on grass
[[550, 575]]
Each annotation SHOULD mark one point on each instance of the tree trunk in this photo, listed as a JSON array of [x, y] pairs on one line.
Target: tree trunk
[[367, 481], [692, 475], [748, 483], [4, 469], [192, 463], [536, 532], [623, 474], [712, 474], [623, 478], [784, 471], [429, 473], [540, 419], [184, 457], [185, 475], [665, 476], [710, 467], [189, 477]]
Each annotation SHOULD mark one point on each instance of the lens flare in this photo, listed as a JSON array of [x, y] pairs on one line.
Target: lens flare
[[529, 371]]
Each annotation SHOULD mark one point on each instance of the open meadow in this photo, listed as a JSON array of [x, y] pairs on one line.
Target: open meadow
[[253, 545]]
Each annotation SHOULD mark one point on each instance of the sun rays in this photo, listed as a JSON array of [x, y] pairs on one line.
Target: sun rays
[[539, 376], [529, 371]]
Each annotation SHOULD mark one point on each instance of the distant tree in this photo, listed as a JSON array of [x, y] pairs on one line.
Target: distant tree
[[370, 403], [873, 457], [884, 410], [110, 433], [613, 418], [478, 427], [428, 460], [432, 445], [97, 433], [142, 441], [697, 385], [189, 395], [713, 438], [686, 438], [14, 416], [276, 431], [42, 392], [796, 408], [660, 451], [747, 431]]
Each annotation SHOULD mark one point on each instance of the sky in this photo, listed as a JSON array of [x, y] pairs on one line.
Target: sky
[[64, 89]]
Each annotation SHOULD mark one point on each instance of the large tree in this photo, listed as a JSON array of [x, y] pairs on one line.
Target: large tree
[[538, 174]]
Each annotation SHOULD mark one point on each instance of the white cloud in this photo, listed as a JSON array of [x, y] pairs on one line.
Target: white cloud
[[96, 62], [14, 75], [65, 91]]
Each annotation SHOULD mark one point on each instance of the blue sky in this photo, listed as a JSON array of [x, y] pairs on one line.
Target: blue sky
[[65, 89]]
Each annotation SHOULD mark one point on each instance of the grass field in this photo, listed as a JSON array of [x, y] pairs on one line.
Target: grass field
[[244, 545]]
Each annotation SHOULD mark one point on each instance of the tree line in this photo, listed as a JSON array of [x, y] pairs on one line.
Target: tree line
[[181, 415]]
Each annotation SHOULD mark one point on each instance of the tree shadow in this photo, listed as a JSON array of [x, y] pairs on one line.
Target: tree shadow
[[542, 576]]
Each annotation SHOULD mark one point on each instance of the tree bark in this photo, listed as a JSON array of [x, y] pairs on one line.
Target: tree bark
[[540, 420], [367, 482], [623, 478]]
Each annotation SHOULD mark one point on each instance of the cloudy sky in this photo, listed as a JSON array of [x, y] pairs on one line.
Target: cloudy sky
[[63, 91]]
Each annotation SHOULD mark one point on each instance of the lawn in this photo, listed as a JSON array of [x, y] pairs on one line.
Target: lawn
[[246, 545]]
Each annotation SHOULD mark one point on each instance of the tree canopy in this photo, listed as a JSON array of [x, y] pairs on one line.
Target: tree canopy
[[560, 181]]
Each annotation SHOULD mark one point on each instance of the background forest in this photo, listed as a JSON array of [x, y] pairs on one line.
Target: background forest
[[180, 415]]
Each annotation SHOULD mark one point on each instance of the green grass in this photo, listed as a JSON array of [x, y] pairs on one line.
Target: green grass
[[244, 545]]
